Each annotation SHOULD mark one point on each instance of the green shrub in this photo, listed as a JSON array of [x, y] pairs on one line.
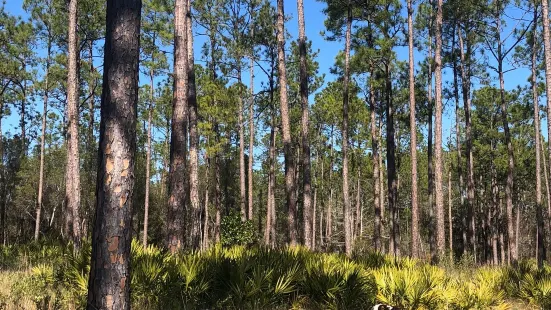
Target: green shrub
[[234, 231]]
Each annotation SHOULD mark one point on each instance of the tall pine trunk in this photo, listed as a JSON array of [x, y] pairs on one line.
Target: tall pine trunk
[[439, 195], [290, 182], [109, 282], [193, 137], [413, 139], [537, 134], [306, 174], [42, 143], [72, 170], [148, 159], [376, 175], [345, 189], [547, 49], [178, 133], [251, 138]]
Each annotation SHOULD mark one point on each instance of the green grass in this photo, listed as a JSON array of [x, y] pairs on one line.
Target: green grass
[[51, 277]]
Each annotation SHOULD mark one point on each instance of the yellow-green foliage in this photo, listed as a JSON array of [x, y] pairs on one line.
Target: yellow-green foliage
[[49, 277]]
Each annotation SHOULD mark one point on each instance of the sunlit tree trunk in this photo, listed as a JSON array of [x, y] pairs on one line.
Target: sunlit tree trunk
[[413, 138], [109, 281], [345, 187], [251, 138], [72, 192]]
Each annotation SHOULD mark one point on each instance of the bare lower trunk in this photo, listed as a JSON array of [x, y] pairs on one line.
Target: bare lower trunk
[[329, 216], [345, 189], [547, 48], [306, 178], [109, 284], [376, 175], [148, 160], [450, 217], [242, 181], [413, 139], [42, 145], [290, 182], [72, 193], [193, 137], [251, 138], [539, 206], [206, 240], [439, 196], [178, 140]]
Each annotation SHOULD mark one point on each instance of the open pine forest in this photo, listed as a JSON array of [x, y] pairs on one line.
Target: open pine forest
[[275, 154]]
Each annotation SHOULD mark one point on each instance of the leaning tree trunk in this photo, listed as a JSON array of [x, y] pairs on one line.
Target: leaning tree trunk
[[440, 223], [345, 189], [42, 144], [290, 182], [193, 137], [413, 139], [109, 282], [72, 171], [178, 133], [306, 174]]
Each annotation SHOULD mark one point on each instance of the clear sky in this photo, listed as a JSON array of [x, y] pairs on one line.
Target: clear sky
[[327, 52]]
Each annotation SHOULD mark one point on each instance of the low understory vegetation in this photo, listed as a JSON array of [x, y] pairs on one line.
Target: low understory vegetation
[[52, 277]]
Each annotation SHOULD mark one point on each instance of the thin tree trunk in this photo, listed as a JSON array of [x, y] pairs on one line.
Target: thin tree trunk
[[42, 143], [306, 174], [466, 78], [537, 134], [72, 192], [206, 240], [290, 182], [329, 217], [109, 284], [439, 196], [193, 136], [376, 174], [546, 178], [450, 216], [242, 181], [430, 172], [178, 139], [251, 137], [547, 50], [413, 138], [382, 183], [271, 185], [494, 224], [345, 189], [510, 154], [148, 159]]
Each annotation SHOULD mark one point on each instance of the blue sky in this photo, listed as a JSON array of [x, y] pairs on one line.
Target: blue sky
[[327, 52]]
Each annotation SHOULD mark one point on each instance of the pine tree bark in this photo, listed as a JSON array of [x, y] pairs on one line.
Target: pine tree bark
[[290, 182], [178, 137], [72, 170], [42, 142], [193, 136], [413, 139], [430, 160], [242, 181], [206, 240], [306, 173], [109, 282], [450, 216], [537, 134], [439, 196], [345, 186]]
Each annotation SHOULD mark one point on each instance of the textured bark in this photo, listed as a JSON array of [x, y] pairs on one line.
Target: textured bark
[[206, 241], [178, 140], [42, 143], [270, 221], [72, 170], [306, 174], [376, 174], [494, 224], [109, 284], [345, 189], [439, 195], [466, 89], [148, 159], [193, 137], [413, 139], [546, 178], [382, 183], [329, 216], [539, 206], [290, 182], [217, 193], [251, 138], [394, 248]]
